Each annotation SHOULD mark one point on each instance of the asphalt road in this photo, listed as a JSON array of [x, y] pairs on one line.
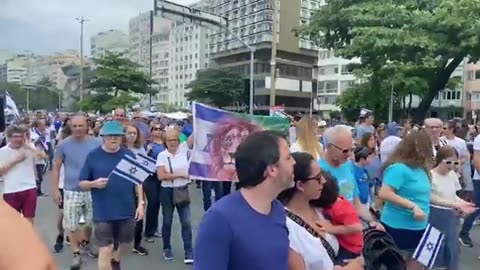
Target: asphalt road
[[47, 213]]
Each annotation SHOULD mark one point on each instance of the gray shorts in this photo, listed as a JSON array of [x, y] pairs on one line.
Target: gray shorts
[[119, 231]]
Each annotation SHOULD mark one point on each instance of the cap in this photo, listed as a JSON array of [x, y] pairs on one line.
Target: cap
[[364, 113], [112, 128], [322, 123]]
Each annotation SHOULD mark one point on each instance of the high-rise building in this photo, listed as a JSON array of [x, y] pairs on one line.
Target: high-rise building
[[19, 68], [189, 53], [50, 67], [142, 30], [115, 41], [160, 65], [252, 21]]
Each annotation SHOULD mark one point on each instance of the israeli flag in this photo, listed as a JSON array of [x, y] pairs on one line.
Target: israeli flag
[[129, 169], [429, 245], [148, 163], [10, 104]]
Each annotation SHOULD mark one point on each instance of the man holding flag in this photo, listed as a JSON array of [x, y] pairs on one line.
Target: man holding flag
[[111, 172]]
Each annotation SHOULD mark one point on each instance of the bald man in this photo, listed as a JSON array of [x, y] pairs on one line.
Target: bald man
[[120, 116], [26, 250]]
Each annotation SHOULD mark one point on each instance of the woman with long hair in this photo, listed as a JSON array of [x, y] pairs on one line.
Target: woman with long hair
[[133, 140], [445, 205], [406, 191], [307, 140], [311, 246]]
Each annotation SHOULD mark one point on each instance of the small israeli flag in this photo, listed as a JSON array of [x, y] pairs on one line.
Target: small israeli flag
[[148, 163], [129, 169], [427, 249]]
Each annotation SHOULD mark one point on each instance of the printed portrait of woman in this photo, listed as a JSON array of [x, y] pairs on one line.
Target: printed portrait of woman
[[229, 133]]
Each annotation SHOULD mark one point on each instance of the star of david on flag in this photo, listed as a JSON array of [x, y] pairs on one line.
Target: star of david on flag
[[147, 162], [129, 169], [427, 249]]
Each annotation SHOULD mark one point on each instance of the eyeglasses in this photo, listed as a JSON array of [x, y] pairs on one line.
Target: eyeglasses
[[449, 162], [318, 177], [156, 129], [344, 150]]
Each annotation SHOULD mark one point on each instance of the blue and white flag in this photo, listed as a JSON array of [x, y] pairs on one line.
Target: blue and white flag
[[10, 104], [429, 245], [148, 163], [129, 169]]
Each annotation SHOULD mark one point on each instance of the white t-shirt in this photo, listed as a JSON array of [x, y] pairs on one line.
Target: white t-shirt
[[476, 147], [459, 144], [296, 147], [179, 162], [309, 247], [445, 186], [292, 134], [22, 176], [61, 180]]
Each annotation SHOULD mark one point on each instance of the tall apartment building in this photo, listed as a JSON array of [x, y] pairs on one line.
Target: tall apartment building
[[50, 66], [19, 68], [160, 66], [252, 21], [334, 77], [189, 53], [115, 41], [142, 30]]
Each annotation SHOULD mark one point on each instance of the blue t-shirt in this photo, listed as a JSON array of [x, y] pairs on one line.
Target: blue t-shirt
[[363, 184], [345, 176], [233, 236], [156, 149], [116, 201], [73, 153], [413, 185]]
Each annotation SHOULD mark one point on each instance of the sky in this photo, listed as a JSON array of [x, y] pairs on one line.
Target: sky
[[48, 26]]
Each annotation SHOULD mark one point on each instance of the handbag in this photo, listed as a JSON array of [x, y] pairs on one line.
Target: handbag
[[181, 195], [314, 233]]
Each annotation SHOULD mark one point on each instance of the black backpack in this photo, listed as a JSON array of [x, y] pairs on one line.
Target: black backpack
[[380, 251]]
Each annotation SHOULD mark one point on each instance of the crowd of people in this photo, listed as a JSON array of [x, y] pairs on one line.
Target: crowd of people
[[301, 202]]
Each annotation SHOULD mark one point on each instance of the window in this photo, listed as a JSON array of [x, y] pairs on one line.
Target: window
[[477, 74], [470, 75]]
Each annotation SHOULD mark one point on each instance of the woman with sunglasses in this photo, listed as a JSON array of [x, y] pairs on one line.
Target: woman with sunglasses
[[152, 186], [445, 205]]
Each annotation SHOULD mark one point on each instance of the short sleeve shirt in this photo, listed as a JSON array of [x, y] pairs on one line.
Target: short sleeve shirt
[[345, 176], [175, 163]]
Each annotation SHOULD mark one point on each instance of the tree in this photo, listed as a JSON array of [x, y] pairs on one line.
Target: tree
[[42, 95], [115, 79], [424, 40], [217, 87]]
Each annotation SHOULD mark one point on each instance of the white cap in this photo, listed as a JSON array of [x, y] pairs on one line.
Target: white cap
[[322, 123]]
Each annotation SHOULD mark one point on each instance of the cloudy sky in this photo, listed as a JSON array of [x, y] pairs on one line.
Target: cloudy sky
[[46, 26]]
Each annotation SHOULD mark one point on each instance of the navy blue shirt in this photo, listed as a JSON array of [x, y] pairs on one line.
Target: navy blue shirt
[[233, 236], [116, 201], [156, 149]]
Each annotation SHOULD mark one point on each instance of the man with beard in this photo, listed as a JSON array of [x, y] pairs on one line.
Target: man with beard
[[254, 236]]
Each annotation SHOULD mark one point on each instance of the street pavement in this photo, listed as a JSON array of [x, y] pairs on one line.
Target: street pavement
[[46, 220]]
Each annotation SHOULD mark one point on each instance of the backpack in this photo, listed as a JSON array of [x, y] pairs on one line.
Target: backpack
[[380, 251]]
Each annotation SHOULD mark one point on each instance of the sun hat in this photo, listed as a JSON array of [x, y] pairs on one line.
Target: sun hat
[[112, 128]]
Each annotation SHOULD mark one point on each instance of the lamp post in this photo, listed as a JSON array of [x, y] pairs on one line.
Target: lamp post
[[313, 93], [81, 20]]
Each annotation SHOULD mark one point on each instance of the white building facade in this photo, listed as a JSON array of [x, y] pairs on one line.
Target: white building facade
[[115, 41], [160, 67], [189, 53]]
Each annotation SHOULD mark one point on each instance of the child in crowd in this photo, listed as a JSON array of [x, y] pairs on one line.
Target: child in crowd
[[363, 155], [344, 223]]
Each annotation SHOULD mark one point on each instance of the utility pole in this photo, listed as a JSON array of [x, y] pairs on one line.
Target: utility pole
[[390, 105], [81, 20], [273, 64]]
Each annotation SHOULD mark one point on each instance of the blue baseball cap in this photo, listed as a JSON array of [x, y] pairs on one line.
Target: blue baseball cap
[[112, 128]]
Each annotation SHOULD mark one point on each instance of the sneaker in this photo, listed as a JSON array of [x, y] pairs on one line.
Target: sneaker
[[188, 258], [465, 240], [476, 222], [89, 249], [77, 261], [149, 240], [158, 235], [140, 250], [58, 243], [167, 254], [67, 241], [115, 265]]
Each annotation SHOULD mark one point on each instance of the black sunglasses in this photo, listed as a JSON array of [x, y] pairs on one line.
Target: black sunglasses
[[343, 150]]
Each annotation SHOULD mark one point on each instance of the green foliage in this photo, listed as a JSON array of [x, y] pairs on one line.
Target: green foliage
[[417, 44], [217, 87], [115, 78], [42, 96]]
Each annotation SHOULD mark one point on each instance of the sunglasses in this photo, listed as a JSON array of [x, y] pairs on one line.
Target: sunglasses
[[344, 150], [449, 162], [156, 129]]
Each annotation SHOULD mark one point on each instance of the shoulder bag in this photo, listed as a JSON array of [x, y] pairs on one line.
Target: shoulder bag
[[181, 195], [314, 233]]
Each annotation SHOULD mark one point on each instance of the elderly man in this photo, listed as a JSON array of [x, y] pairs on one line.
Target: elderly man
[[433, 127], [339, 145]]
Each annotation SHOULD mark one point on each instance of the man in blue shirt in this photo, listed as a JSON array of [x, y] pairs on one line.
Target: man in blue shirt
[[337, 161], [113, 201], [247, 228]]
